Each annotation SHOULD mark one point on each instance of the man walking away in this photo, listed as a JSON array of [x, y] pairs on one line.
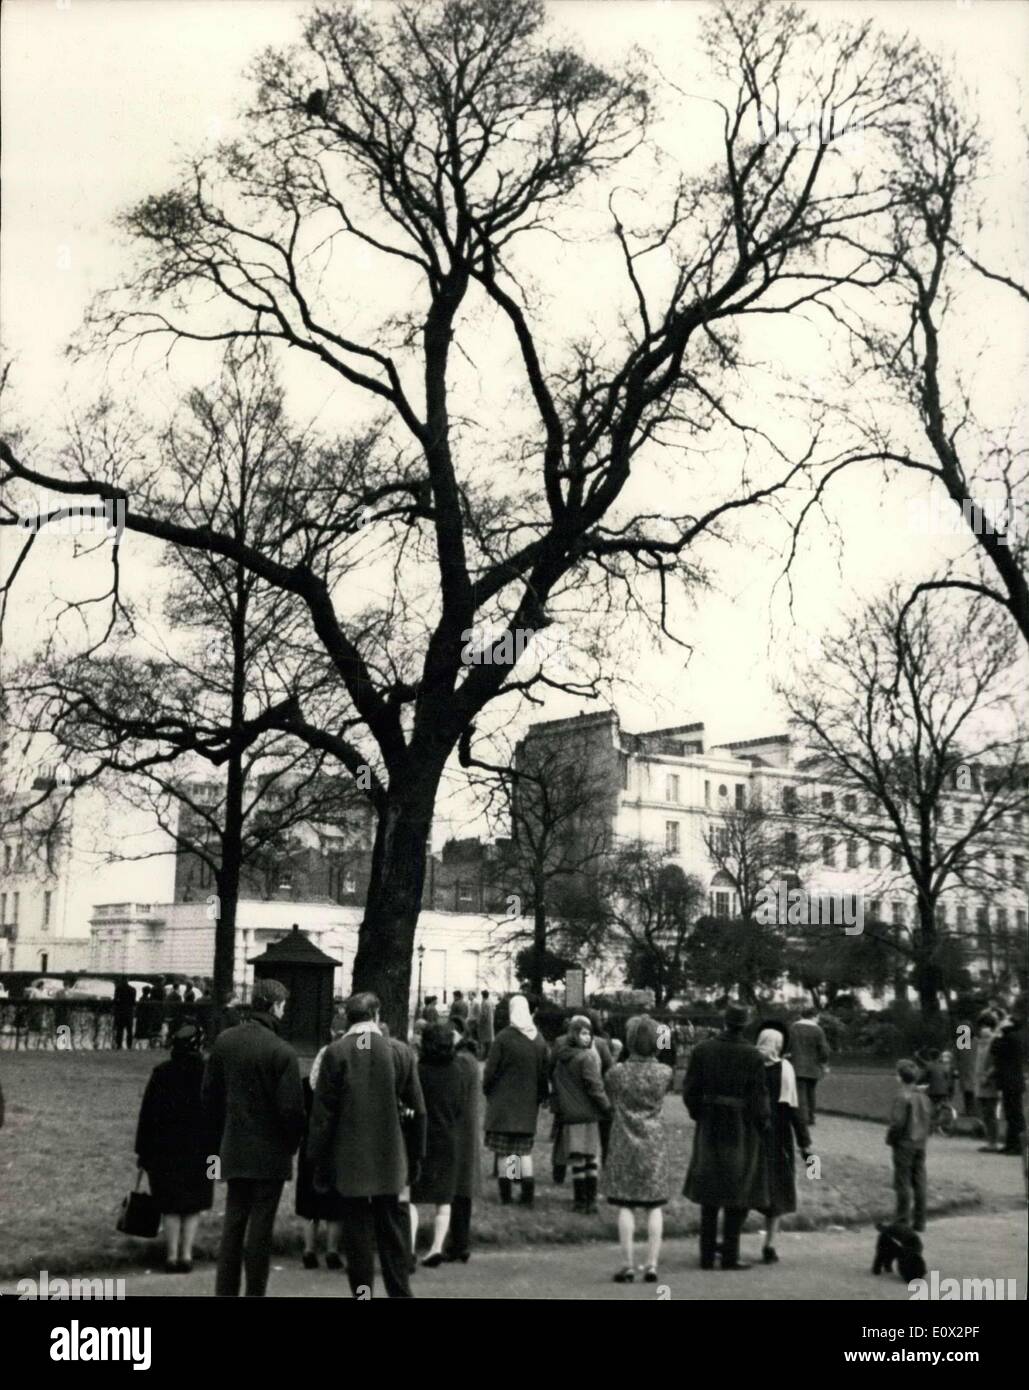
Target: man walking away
[[1006, 1061], [486, 1027], [809, 1053], [726, 1094], [908, 1135], [255, 1105], [124, 1009], [356, 1145]]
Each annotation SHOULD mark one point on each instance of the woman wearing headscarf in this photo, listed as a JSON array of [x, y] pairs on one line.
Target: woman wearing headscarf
[[515, 1083], [444, 1087], [173, 1144], [787, 1122], [314, 1206], [636, 1173], [579, 1101]]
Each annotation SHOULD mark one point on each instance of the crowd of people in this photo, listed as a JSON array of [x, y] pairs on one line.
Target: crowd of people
[[384, 1130]]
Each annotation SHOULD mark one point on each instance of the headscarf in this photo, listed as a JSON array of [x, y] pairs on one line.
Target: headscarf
[[769, 1044], [520, 1017], [575, 1026]]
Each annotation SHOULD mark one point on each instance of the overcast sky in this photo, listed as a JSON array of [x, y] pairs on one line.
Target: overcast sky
[[101, 98]]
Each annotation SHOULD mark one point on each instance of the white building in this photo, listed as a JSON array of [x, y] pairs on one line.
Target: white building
[[453, 950], [667, 788]]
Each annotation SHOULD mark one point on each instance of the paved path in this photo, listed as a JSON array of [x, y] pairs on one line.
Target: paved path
[[830, 1265], [998, 1177]]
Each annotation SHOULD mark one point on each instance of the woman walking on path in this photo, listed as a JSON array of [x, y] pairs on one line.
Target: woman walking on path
[[986, 1090], [515, 1083], [173, 1144], [580, 1102], [636, 1174], [444, 1084], [787, 1123], [316, 1207]]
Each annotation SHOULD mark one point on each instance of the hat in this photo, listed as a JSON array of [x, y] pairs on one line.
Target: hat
[[735, 1017]]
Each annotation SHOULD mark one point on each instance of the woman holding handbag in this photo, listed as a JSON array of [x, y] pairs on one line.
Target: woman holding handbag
[[173, 1146]]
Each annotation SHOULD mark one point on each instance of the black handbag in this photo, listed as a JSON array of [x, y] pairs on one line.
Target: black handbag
[[139, 1215]]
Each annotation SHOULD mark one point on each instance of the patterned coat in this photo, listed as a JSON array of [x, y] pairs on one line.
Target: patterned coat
[[726, 1093], [637, 1170]]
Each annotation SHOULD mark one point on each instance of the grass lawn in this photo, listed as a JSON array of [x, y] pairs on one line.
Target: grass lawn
[[66, 1160]]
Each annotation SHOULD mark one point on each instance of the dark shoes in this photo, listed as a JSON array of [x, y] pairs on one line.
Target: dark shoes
[[625, 1276], [178, 1266], [769, 1255], [590, 1195], [310, 1259], [504, 1188], [432, 1261], [736, 1264], [452, 1257], [333, 1259], [650, 1274], [528, 1193]]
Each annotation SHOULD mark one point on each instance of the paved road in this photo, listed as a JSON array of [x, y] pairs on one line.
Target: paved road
[[828, 1265]]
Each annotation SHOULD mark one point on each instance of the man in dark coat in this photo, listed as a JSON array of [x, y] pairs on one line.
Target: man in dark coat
[[726, 1094], [356, 1145], [1006, 1063], [485, 1022], [809, 1053], [255, 1103], [124, 1009], [459, 1006]]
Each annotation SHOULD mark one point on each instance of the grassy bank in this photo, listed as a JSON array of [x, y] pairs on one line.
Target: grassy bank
[[66, 1160]]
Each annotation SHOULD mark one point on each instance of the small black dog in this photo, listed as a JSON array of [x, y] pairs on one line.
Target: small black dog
[[901, 1244]]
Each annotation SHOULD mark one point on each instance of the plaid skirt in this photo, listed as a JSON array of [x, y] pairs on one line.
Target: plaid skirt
[[502, 1143], [581, 1140]]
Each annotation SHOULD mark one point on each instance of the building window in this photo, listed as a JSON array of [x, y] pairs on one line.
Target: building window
[[7, 858], [850, 802], [672, 836], [873, 856], [962, 917], [15, 900], [625, 773], [722, 904], [1018, 868], [721, 839], [707, 793], [829, 852], [941, 914], [898, 914], [895, 857], [1020, 919], [852, 854], [741, 796], [789, 799], [672, 788], [464, 892], [1000, 865], [47, 896], [3, 908], [789, 846], [875, 910], [959, 815], [1002, 919], [827, 801], [723, 790]]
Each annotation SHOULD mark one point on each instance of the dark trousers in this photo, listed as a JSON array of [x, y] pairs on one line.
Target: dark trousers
[[732, 1226], [604, 1124], [459, 1235], [123, 1031], [969, 1099], [370, 1224], [987, 1106], [806, 1095], [1014, 1119], [250, 1208], [910, 1185]]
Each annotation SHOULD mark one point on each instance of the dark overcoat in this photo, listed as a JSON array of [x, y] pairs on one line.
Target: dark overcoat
[[443, 1089], [172, 1139], [786, 1124], [808, 1050], [726, 1094], [355, 1139], [515, 1082], [254, 1101], [469, 1130]]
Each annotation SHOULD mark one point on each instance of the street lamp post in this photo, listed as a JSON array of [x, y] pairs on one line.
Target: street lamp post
[[421, 957]]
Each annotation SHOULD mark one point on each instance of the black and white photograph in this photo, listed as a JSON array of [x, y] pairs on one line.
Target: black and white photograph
[[514, 674]]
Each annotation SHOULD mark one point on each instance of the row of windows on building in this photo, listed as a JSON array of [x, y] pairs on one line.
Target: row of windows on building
[[15, 854], [875, 858], [955, 815]]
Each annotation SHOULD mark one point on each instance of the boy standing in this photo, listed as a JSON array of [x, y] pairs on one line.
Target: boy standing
[[907, 1135]]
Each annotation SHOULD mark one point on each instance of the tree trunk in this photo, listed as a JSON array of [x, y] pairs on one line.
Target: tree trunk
[[385, 945], [227, 880], [539, 936], [927, 971]]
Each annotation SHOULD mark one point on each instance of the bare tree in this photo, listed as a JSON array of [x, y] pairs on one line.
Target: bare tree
[[918, 724], [445, 141], [758, 845]]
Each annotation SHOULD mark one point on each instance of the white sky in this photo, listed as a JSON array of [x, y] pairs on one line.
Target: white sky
[[100, 98]]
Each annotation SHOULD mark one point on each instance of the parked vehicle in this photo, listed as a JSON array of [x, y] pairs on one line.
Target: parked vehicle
[[90, 989], [44, 989]]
